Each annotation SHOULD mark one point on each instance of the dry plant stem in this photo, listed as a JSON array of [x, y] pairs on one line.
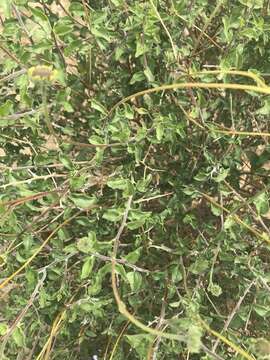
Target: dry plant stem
[[118, 339], [19, 201], [121, 261], [13, 57], [211, 302], [27, 167], [35, 178], [68, 13], [30, 356], [45, 352], [191, 85], [196, 27], [211, 353], [153, 350], [20, 20], [245, 203], [21, 115], [184, 274], [120, 304], [166, 30], [47, 348], [243, 133], [216, 10], [153, 197], [5, 338], [226, 341], [12, 276], [237, 219], [108, 343], [13, 75], [248, 74], [232, 314]]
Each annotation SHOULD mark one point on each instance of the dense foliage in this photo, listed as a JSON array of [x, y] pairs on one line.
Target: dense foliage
[[179, 177]]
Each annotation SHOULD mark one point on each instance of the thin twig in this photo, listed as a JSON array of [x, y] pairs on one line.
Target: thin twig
[[13, 57], [28, 181], [232, 314], [166, 30], [121, 261], [20, 115], [20, 20], [69, 14], [153, 197], [14, 75], [211, 353], [21, 315], [152, 352]]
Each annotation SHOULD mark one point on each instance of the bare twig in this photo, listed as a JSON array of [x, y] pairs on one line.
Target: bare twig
[[13, 57], [152, 352], [232, 314], [211, 353], [20, 115], [20, 20], [13, 75], [21, 315], [68, 13], [121, 261], [153, 197], [27, 181]]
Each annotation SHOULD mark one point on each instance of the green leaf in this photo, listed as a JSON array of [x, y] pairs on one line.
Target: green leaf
[[83, 201], [261, 203], [87, 267], [77, 182], [100, 33], [3, 328], [140, 343], [133, 256], [143, 184], [5, 6], [6, 108], [87, 244], [98, 106], [194, 339], [137, 77], [18, 336], [261, 310], [159, 131], [38, 13], [96, 140], [140, 48], [199, 266], [222, 175], [113, 214], [135, 280], [229, 222], [132, 225], [76, 8], [149, 75], [122, 184], [255, 4], [117, 2], [216, 210], [62, 29], [65, 160]]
